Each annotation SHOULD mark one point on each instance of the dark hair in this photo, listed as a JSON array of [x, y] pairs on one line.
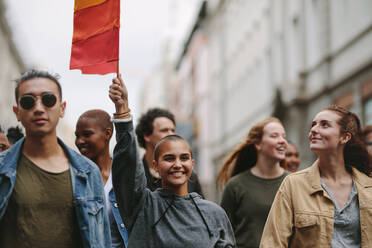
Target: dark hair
[[37, 74], [145, 126], [244, 156], [355, 152], [173, 137], [366, 130], [14, 134]]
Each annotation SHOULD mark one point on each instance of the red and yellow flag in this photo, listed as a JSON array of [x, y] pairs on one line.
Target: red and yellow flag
[[95, 42]]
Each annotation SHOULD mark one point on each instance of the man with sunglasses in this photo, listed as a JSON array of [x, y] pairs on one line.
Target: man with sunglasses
[[51, 196]]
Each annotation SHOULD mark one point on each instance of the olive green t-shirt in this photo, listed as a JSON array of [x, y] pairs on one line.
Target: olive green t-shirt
[[247, 200], [40, 212]]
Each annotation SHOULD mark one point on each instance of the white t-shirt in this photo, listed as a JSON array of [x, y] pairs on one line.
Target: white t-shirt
[[115, 234]]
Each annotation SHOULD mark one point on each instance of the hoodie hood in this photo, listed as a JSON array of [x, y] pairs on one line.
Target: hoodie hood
[[172, 198]]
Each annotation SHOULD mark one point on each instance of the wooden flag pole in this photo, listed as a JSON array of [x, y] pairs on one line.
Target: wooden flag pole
[[117, 70]]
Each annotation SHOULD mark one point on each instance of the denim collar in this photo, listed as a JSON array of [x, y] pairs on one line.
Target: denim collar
[[11, 157]]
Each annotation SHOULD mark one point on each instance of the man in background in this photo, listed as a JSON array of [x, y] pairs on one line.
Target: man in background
[[155, 124]]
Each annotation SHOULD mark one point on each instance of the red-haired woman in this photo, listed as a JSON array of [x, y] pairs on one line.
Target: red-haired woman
[[253, 175], [328, 204]]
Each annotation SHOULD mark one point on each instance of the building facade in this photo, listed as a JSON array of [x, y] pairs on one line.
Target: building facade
[[246, 60], [11, 67]]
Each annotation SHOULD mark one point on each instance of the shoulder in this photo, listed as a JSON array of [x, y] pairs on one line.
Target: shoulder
[[80, 162], [209, 206], [300, 181], [13, 152], [213, 212], [9, 158], [299, 175], [361, 178], [3, 155]]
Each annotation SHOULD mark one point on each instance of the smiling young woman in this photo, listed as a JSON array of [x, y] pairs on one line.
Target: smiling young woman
[[173, 161], [169, 216], [253, 175], [328, 204]]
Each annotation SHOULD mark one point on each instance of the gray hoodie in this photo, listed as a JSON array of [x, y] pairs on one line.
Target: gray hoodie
[[162, 218]]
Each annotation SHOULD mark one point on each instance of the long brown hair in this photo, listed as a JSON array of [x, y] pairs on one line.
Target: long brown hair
[[244, 156], [355, 152]]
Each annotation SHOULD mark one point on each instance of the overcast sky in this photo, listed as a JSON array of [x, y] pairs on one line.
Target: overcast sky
[[42, 30]]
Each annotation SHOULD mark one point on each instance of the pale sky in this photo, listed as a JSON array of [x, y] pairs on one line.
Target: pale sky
[[42, 30]]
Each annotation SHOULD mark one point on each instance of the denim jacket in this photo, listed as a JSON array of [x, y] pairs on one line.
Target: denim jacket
[[119, 222], [87, 187]]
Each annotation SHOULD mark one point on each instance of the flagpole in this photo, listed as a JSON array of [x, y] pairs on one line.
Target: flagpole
[[117, 70]]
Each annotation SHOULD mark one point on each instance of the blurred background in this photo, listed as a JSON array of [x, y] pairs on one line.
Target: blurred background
[[219, 65]]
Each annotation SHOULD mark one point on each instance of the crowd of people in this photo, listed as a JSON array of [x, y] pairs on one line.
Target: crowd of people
[[8, 139], [53, 196]]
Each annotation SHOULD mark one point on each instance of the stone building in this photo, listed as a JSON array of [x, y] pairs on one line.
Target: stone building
[[247, 60], [12, 66]]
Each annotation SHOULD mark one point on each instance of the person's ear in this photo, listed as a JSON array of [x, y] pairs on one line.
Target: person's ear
[[345, 138], [257, 146], [16, 112], [155, 165], [62, 109], [108, 133]]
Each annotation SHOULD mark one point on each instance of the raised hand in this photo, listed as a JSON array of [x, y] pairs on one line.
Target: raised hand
[[118, 93]]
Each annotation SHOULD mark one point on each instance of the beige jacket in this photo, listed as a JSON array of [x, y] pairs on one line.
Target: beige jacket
[[302, 214]]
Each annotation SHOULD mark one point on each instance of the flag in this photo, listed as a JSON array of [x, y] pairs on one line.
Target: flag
[[95, 41]]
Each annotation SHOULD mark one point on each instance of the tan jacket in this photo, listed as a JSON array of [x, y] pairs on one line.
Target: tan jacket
[[302, 214]]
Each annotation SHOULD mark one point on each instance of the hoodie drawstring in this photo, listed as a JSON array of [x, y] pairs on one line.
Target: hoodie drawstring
[[201, 215], [162, 215], [196, 205]]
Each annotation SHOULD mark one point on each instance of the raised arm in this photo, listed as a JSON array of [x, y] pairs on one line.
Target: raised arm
[[128, 176]]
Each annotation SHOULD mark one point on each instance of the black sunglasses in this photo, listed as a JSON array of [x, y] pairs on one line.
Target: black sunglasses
[[28, 101]]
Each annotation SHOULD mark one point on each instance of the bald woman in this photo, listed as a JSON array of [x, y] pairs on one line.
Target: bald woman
[[93, 133]]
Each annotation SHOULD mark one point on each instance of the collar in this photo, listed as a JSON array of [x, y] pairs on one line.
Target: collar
[[314, 177], [11, 156], [78, 161], [362, 178]]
